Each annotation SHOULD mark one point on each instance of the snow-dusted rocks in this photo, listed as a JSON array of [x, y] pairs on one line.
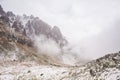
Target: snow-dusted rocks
[[32, 26]]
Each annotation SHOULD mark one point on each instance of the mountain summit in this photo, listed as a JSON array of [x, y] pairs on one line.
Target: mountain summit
[[32, 26]]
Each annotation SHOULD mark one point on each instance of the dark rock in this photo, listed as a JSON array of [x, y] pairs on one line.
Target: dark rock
[[92, 73], [4, 18], [10, 14], [41, 74], [31, 26], [2, 11]]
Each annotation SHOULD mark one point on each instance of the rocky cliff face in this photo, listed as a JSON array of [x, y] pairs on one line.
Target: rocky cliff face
[[32, 26], [1, 11], [17, 38], [16, 47]]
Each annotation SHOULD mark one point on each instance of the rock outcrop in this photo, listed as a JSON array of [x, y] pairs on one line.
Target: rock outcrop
[[32, 26], [17, 38]]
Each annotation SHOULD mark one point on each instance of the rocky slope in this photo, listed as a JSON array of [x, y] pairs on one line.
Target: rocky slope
[[15, 46], [17, 38], [31, 26], [20, 60], [104, 68]]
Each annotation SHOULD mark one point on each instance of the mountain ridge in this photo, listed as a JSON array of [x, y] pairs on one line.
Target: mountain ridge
[[32, 26]]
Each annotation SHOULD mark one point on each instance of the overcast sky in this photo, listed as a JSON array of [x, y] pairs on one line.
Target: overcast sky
[[77, 19]]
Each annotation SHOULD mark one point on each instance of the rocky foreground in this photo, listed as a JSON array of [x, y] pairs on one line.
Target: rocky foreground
[[104, 68]]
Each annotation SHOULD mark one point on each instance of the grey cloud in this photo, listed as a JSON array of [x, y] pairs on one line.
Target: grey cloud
[[105, 43]]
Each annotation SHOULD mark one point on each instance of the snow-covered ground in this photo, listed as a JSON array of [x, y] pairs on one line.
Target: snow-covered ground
[[26, 71], [111, 74], [33, 71]]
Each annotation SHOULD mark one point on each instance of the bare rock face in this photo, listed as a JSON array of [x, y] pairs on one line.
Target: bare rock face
[[56, 34], [32, 26], [17, 35], [1, 11], [10, 14]]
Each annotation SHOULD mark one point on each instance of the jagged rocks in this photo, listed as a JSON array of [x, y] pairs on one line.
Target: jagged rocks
[[10, 14], [5, 32], [1, 11], [32, 26]]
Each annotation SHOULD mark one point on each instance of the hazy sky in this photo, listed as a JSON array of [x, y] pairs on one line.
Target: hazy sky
[[77, 19]]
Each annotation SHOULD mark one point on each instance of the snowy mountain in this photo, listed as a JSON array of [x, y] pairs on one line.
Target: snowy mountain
[[32, 26], [18, 39], [21, 60]]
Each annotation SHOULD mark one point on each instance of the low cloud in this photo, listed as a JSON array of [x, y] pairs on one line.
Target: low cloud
[[46, 46], [66, 55]]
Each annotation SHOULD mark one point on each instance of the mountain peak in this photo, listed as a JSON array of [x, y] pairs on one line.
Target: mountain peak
[[1, 11], [32, 26]]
